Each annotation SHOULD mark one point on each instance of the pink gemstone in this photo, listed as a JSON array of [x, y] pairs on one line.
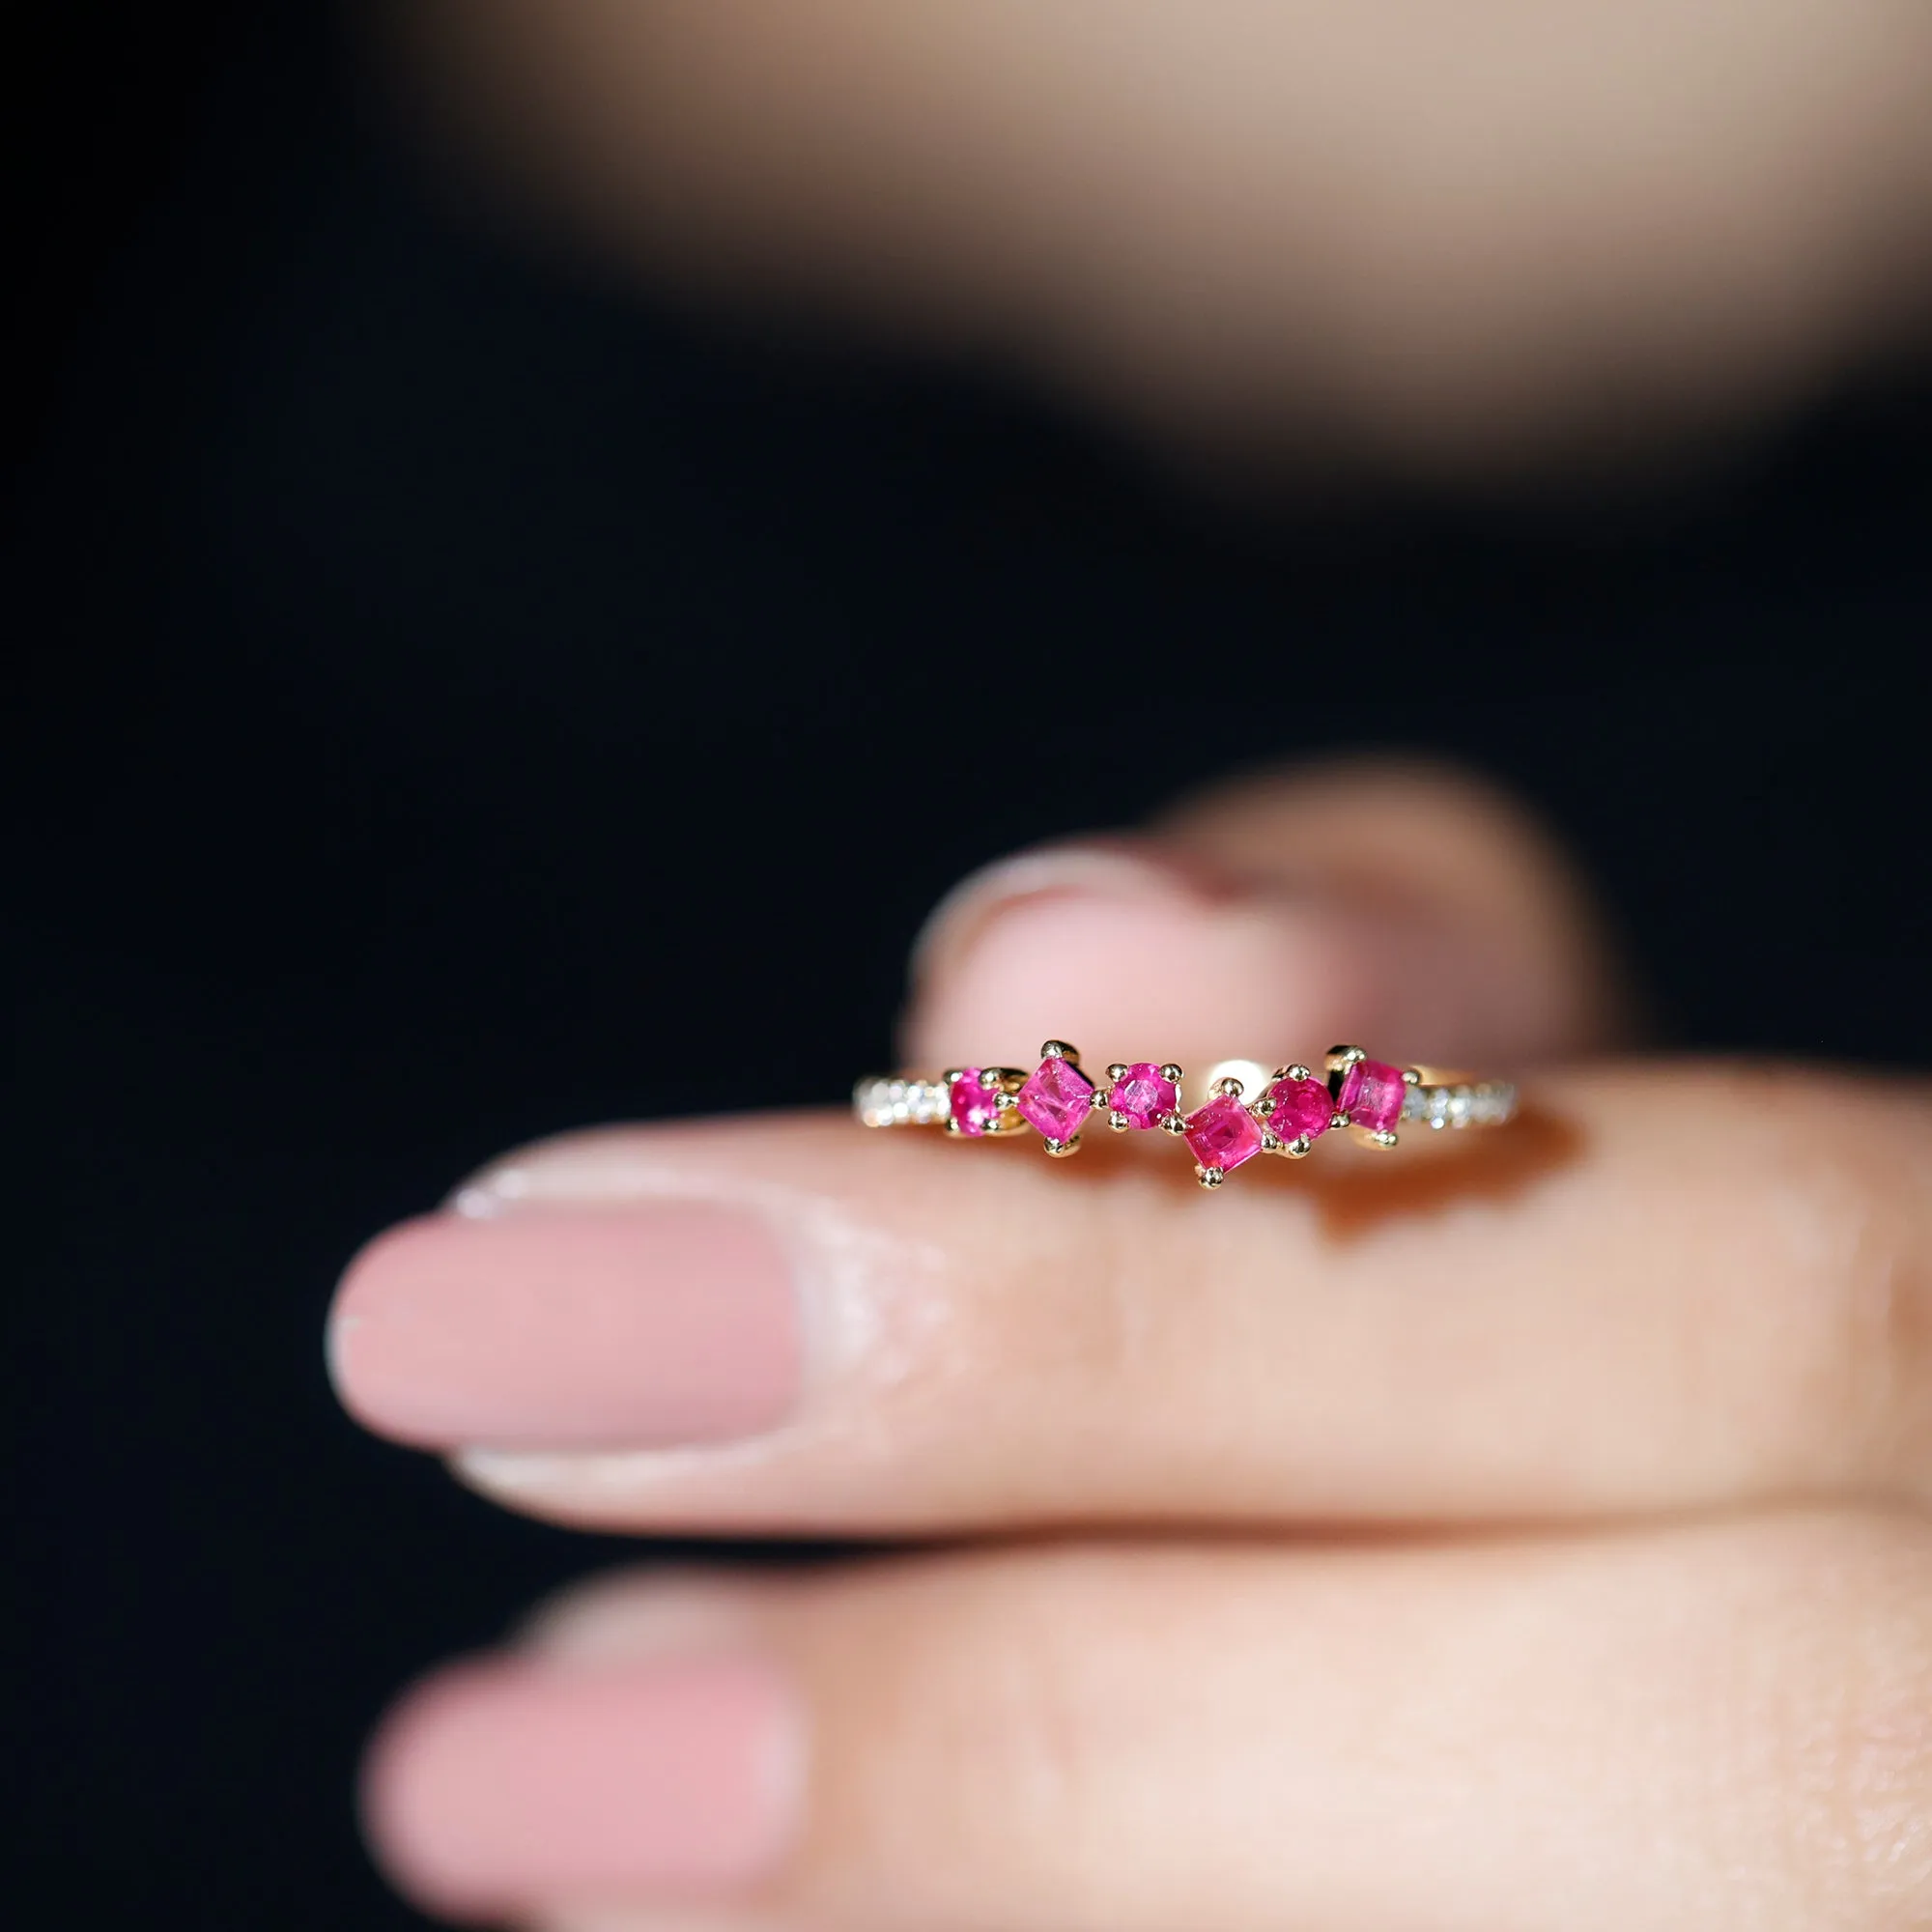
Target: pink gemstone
[[1223, 1134], [1056, 1098], [1144, 1094], [1372, 1094], [975, 1107], [1302, 1109]]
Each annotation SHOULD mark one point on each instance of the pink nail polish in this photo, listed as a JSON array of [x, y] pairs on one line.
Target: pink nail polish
[[510, 1785], [670, 1324]]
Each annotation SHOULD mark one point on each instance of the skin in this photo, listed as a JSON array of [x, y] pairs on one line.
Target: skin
[[1497, 1533], [1440, 238]]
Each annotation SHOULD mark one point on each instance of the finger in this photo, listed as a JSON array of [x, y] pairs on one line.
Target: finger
[[1392, 902], [1718, 1725], [1661, 1289], [1449, 238]]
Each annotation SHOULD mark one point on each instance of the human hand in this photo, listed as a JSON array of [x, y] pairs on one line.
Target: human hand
[[1508, 1532]]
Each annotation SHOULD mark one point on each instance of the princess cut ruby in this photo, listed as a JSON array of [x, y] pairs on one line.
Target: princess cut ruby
[[1223, 1134], [1056, 1097], [1143, 1094], [1372, 1095], [974, 1107], [1302, 1109]]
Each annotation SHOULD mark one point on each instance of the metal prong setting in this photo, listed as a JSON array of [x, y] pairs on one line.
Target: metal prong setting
[[1230, 1088], [1117, 1071], [1173, 1123], [1057, 1049], [1385, 1139], [1210, 1178], [1061, 1149], [1119, 1123], [1170, 1071], [1299, 1147]]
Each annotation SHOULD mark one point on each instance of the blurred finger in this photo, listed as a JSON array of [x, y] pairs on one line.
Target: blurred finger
[[1446, 232], [1716, 1726], [1388, 902]]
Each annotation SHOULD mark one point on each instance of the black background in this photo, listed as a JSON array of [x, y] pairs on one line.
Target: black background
[[454, 680]]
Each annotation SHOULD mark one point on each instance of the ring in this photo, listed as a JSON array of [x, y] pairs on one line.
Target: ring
[[1295, 1108]]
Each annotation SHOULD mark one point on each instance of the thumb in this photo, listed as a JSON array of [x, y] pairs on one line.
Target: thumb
[[1404, 906]]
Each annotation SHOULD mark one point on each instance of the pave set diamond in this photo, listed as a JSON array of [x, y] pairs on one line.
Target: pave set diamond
[[1227, 1130]]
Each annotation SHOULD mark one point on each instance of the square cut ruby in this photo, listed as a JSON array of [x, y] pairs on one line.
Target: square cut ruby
[[1372, 1095], [1223, 1134], [1056, 1097]]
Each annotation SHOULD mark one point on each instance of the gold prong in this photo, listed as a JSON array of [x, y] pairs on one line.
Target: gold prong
[[951, 1075], [954, 1130], [1060, 1149], [1230, 1088], [1118, 1122], [1262, 1107], [1170, 1072], [1411, 1076], [1210, 1178], [1173, 1123], [1004, 1102], [1099, 1100], [1384, 1139], [1270, 1145], [1295, 1072], [1118, 1072], [990, 1077], [1338, 1120], [1057, 1049], [1347, 1055], [1297, 1148]]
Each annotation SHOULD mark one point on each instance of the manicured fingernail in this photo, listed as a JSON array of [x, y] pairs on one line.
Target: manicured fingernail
[[519, 1784], [664, 1323]]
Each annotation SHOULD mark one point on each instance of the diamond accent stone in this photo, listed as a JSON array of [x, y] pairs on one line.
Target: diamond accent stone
[[887, 1102]]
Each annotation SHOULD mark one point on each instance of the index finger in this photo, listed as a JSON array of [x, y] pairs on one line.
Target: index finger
[[1665, 1288]]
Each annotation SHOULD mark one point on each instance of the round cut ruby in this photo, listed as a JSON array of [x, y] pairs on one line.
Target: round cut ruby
[[1143, 1094], [975, 1108], [1372, 1095], [1056, 1097], [1302, 1109], [1223, 1134]]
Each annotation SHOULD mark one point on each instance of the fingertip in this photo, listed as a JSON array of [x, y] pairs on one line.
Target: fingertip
[[1396, 901], [1161, 969]]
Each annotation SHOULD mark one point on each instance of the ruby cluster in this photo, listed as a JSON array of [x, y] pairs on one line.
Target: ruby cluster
[[1227, 1131]]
